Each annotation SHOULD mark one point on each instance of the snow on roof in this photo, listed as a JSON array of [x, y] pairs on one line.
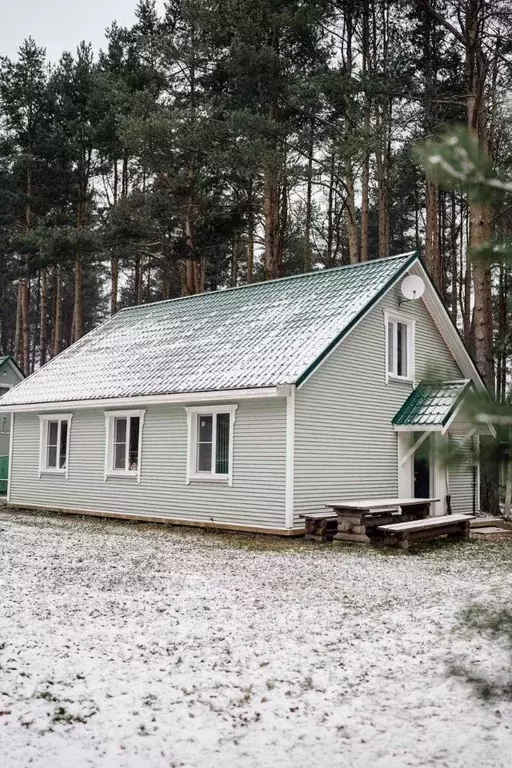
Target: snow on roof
[[258, 335]]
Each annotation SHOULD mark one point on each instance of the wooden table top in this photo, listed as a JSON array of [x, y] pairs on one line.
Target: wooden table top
[[370, 504]]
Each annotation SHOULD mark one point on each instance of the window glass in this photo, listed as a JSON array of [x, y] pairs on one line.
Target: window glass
[[222, 444], [51, 455], [204, 443], [133, 461], [63, 444], [401, 352], [120, 444]]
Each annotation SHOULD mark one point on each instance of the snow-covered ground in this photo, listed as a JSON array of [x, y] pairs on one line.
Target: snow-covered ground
[[145, 647]]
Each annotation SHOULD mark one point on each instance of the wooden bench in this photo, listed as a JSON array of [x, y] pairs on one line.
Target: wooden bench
[[400, 534], [320, 526]]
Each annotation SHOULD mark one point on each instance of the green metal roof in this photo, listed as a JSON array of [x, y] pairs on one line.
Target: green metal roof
[[431, 404], [258, 335]]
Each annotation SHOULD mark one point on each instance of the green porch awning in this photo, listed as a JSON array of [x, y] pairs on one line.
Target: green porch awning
[[431, 406]]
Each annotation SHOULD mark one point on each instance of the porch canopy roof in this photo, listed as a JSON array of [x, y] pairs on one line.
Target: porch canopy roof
[[432, 406]]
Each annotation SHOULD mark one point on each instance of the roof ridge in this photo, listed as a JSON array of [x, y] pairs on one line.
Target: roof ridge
[[313, 273]]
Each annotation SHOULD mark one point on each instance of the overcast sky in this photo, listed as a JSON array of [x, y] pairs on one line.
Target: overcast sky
[[59, 25]]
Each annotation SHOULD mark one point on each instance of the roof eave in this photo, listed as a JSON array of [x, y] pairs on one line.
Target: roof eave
[[220, 395]]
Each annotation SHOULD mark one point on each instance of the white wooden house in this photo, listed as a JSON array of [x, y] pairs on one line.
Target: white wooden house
[[245, 407]]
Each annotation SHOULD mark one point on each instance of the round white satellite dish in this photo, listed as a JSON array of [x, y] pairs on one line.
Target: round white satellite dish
[[412, 287]]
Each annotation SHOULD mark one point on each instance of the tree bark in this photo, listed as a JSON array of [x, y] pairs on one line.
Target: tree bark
[[114, 290], [57, 313], [43, 324], [271, 199]]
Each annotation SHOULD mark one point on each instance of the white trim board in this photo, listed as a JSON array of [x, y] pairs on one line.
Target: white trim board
[[145, 400], [290, 459]]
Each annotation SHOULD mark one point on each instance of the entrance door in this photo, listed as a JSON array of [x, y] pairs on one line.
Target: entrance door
[[421, 470]]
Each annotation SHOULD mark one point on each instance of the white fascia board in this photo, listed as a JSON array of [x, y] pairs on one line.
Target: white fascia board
[[143, 401], [445, 326], [366, 311]]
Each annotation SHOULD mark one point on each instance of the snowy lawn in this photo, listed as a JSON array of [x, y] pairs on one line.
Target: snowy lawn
[[147, 647]]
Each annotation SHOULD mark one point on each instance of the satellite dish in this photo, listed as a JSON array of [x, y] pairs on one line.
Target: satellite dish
[[412, 287]]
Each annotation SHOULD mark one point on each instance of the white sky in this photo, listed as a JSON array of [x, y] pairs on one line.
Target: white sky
[[59, 25]]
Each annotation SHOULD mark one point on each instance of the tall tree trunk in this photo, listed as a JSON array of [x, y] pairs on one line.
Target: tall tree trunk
[[330, 213], [78, 306], [432, 232], [25, 324], [43, 324], [250, 233], [271, 199], [114, 290], [57, 312], [18, 356], [454, 262], [353, 249], [365, 181], [309, 202]]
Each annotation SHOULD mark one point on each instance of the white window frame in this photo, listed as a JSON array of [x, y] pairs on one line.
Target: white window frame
[[110, 417], [43, 443], [192, 417], [394, 318]]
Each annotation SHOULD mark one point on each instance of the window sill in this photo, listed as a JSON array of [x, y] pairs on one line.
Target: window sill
[[209, 479], [50, 471], [395, 377], [133, 475]]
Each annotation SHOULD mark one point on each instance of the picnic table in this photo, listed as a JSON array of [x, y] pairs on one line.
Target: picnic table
[[358, 520]]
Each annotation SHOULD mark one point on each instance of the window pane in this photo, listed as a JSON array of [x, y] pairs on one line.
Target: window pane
[[120, 431], [53, 428], [391, 351], [52, 457], [63, 444], [204, 457], [133, 459], [401, 356], [205, 428], [222, 444], [120, 456]]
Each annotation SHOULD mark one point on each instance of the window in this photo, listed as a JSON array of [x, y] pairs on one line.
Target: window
[[124, 443], [210, 438], [54, 443], [400, 347]]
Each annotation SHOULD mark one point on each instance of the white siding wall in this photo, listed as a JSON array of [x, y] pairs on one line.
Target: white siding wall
[[256, 498], [461, 477], [345, 443], [8, 377]]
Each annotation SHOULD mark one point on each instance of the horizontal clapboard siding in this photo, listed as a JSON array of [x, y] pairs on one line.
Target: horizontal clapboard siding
[[257, 497], [345, 445], [463, 482]]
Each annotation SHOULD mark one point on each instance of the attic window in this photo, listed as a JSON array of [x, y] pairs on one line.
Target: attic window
[[54, 443], [399, 347], [124, 443], [210, 443]]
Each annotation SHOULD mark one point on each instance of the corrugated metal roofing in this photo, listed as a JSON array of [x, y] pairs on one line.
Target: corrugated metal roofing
[[431, 403], [259, 335]]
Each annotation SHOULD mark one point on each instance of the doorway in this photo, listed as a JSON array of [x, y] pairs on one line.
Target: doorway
[[421, 472]]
